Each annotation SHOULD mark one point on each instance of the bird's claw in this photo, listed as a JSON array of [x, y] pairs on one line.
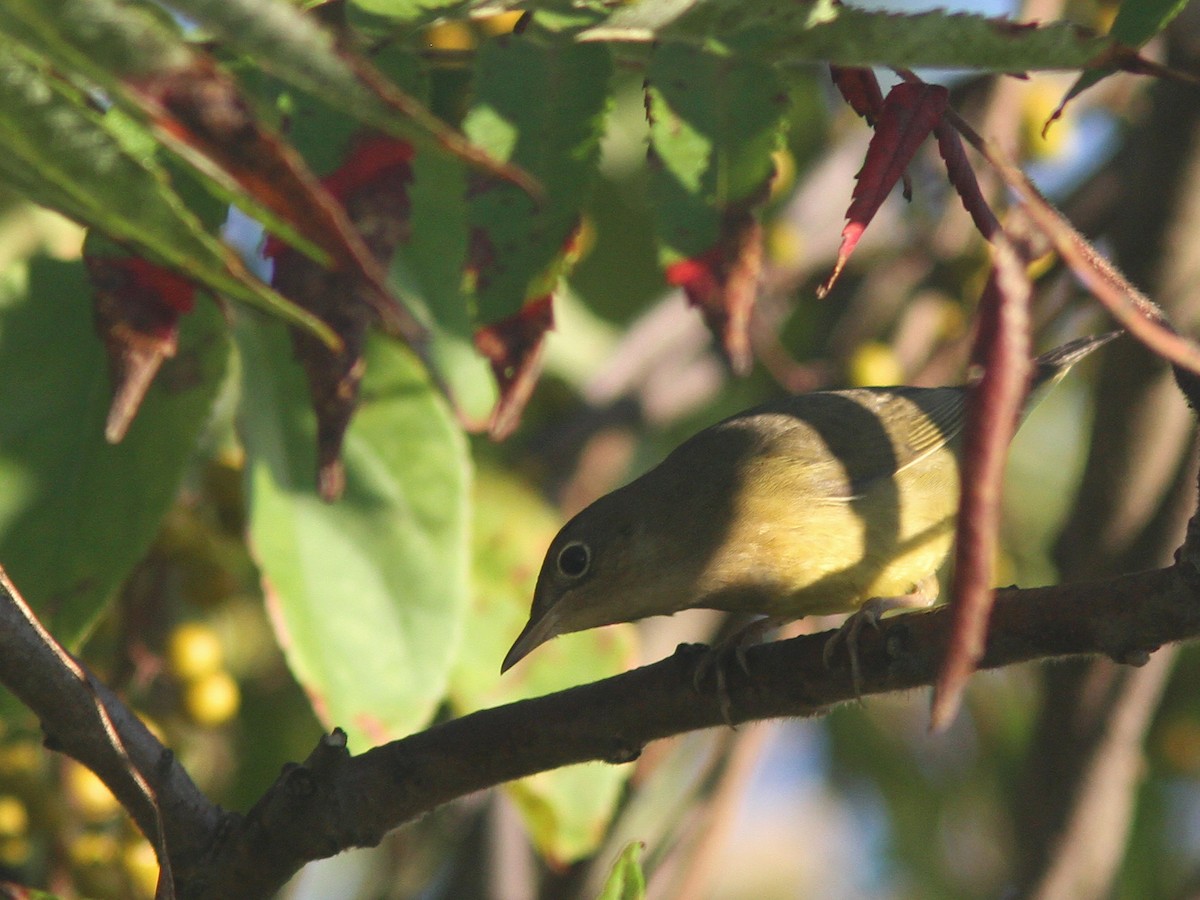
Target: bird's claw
[[717, 658], [848, 633]]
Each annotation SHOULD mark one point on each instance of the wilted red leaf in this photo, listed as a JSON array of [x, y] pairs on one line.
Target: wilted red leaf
[[513, 346], [722, 283], [860, 88], [373, 185], [962, 176], [201, 110], [908, 115], [137, 305]]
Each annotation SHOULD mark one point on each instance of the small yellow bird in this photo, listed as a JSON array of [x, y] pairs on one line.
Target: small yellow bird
[[829, 502]]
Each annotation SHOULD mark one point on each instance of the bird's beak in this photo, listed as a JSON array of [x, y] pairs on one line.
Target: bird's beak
[[537, 631]]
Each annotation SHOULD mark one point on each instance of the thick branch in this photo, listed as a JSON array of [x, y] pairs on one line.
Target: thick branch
[[336, 801], [69, 702]]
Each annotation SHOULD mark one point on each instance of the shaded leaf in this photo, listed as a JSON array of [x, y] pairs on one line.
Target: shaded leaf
[[714, 123], [76, 513], [386, 567], [824, 31], [909, 113]]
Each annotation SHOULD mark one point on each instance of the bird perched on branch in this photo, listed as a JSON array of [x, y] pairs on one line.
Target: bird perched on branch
[[828, 502]]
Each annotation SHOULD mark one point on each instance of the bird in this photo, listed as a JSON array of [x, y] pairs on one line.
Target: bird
[[827, 502]]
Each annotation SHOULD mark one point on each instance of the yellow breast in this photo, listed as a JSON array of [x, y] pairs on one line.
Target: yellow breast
[[791, 554]]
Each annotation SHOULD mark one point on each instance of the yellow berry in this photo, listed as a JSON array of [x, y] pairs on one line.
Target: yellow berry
[[450, 36], [89, 794], [212, 700], [501, 23], [874, 363], [14, 817], [194, 652]]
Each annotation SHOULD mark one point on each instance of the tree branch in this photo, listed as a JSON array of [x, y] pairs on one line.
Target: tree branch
[[84, 719], [335, 801]]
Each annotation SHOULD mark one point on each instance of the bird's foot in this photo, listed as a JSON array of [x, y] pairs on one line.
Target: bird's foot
[[718, 657], [869, 614]]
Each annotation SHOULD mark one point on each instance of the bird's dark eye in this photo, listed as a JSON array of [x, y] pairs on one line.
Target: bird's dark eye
[[574, 559]]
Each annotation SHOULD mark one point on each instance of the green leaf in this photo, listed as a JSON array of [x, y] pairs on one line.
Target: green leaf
[[409, 11], [428, 271], [821, 31], [103, 39], [368, 593], [539, 105], [626, 881], [98, 175], [76, 513], [715, 122], [1137, 21], [567, 811]]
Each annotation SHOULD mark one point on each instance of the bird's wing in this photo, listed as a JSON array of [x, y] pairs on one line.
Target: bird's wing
[[839, 443]]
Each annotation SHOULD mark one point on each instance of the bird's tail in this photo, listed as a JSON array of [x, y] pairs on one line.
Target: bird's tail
[[1052, 365]]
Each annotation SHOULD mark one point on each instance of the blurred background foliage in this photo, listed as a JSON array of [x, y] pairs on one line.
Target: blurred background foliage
[[198, 572]]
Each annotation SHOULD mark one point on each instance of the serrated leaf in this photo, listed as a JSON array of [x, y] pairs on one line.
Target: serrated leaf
[[540, 105], [566, 810], [76, 513], [908, 115], [96, 177], [367, 594], [769, 31], [428, 270], [626, 880], [714, 123]]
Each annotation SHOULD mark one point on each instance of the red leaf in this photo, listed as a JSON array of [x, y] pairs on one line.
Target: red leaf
[[513, 346], [1002, 347], [722, 283], [859, 88], [909, 114], [373, 185], [137, 305], [200, 110], [962, 176]]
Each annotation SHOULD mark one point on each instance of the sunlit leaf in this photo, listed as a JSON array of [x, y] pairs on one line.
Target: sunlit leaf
[[824, 31], [367, 594]]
